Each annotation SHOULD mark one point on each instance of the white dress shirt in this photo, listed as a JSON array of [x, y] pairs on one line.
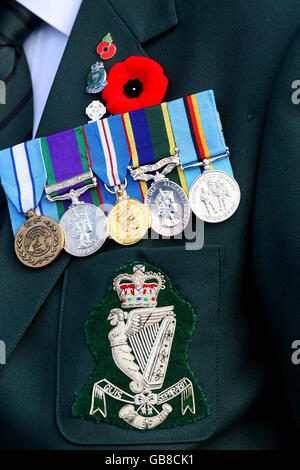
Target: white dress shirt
[[45, 46]]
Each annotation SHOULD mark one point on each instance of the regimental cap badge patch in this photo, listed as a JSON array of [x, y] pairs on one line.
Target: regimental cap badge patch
[[139, 335]]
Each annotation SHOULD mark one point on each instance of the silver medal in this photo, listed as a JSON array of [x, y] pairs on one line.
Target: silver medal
[[167, 201], [85, 229], [84, 225], [170, 208], [214, 196]]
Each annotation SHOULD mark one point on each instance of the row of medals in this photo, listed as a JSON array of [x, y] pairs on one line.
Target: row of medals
[[213, 197]]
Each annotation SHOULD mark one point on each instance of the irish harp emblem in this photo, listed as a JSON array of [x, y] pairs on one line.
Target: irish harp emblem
[[140, 340]]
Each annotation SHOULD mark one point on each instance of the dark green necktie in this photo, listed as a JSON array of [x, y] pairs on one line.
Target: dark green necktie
[[16, 115]]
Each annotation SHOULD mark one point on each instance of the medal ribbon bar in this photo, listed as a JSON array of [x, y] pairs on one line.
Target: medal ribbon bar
[[69, 182], [109, 157], [23, 178], [198, 133], [150, 138], [39, 240], [66, 161], [128, 218], [145, 136]]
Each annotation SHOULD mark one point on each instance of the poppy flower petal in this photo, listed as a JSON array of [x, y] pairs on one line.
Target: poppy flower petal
[[149, 99], [156, 83], [112, 91], [145, 70], [143, 65], [118, 73], [123, 105]]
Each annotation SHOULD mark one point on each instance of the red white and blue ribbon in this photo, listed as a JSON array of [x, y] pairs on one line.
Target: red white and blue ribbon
[[108, 149], [110, 157]]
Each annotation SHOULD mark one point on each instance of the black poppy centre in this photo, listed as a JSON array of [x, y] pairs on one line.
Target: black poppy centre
[[133, 88]]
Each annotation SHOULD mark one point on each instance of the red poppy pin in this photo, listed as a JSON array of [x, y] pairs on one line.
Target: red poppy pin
[[133, 84], [106, 49]]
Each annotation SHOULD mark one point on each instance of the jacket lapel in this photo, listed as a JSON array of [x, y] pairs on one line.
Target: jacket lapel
[[23, 291], [149, 21]]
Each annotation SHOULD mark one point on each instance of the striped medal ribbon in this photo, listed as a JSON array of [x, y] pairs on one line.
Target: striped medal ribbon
[[139, 139], [128, 217], [154, 155], [72, 187], [214, 194], [39, 239]]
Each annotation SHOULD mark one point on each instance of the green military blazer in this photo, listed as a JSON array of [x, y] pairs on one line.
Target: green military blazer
[[244, 282]]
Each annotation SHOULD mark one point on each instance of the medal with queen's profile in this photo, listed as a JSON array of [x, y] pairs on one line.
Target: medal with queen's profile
[[170, 208], [167, 201], [84, 224]]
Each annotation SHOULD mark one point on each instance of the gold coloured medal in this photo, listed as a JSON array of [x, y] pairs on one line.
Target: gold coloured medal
[[39, 241], [128, 220]]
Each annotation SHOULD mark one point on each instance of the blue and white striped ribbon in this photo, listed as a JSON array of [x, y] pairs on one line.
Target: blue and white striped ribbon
[[23, 178]]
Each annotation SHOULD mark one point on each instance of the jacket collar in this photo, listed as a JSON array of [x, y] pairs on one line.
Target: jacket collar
[[60, 15], [153, 19]]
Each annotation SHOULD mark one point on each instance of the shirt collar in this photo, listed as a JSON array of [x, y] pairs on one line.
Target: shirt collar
[[59, 14]]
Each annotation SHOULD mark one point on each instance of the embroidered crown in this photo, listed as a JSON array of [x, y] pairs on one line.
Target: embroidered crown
[[139, 289]]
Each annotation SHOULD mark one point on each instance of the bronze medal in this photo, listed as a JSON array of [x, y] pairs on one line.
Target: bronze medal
[[39, 241]]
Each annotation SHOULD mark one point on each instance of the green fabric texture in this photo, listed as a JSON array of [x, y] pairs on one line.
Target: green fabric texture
[[97, 329]]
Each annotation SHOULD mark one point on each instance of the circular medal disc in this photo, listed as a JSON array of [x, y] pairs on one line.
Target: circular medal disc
[[128, 221], [85, 227], [39, 241], [214, 196], [169, 206]]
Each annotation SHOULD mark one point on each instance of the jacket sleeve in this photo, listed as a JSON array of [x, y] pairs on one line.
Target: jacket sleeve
[[276, 224]]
